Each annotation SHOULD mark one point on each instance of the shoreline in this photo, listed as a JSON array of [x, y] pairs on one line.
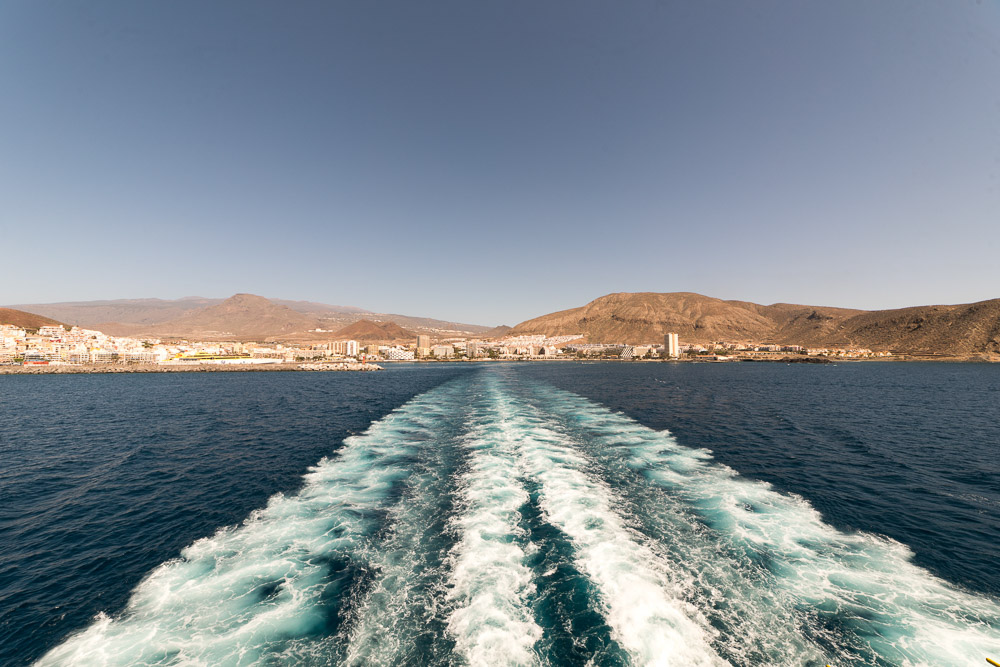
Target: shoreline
[[300, 367], [93, 369]]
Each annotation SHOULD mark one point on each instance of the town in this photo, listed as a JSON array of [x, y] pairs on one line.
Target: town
[[56, 346]]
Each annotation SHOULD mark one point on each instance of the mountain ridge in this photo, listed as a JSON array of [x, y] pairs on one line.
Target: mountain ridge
[[151, 316]]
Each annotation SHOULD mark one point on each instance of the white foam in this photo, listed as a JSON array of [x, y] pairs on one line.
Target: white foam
[[400, 609], [644, 608], [209, 607], [903, 614], [492, 623]]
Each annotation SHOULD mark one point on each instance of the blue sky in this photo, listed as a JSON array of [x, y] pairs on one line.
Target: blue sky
[[491, 162]]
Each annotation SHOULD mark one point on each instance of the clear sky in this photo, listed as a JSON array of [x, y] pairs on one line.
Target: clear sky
[[491, 162]]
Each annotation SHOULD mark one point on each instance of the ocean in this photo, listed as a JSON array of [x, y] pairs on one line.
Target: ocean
[[519, 514]]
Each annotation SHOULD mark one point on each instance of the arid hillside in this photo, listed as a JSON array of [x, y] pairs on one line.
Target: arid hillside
[[240, 317], [958, 330], [19, 318], [375, 332], [644, 317]]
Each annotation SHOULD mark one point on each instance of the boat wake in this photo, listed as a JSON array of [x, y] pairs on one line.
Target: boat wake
[[497, 521]]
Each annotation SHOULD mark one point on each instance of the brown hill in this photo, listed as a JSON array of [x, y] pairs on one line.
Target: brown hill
[[496, 332], [376, 332], [644, 317], [24, 320], [959, 330], [240, 317]]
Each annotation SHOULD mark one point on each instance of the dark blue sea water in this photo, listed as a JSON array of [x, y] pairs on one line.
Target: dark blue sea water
[[748, 514]]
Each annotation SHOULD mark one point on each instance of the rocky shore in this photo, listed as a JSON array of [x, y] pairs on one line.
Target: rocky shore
[[340, 366], [192, 368]]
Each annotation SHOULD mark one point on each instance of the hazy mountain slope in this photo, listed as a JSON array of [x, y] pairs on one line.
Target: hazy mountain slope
[[127, 317], [130, 311], [318, 309], [240, 317], [366, 330], [430, 325]]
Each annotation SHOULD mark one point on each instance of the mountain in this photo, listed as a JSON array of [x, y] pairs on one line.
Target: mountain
[[429, 325], [91, 314], [319, 309], [127, 317], [240, 317], [644, 317], [366, 330], [957, 330], [156, 311], [496, 332], [24, 320]]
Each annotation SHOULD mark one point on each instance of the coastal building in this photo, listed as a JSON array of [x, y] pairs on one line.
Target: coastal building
[[52, 331], [443, 351], [423, 341], [671, 345], [351, 348]]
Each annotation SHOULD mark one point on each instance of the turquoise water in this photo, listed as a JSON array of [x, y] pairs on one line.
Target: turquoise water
[[494, 516]]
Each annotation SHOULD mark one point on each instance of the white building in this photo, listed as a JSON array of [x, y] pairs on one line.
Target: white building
[[671, 345]]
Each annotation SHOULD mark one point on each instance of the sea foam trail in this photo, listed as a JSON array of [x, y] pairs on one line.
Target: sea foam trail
[[642, 605], [492, 622], [760, 623], [859, 595], [250, 592], [399, 616]]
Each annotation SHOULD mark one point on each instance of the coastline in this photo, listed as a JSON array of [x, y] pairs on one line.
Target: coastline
[[300, 367], [91, 369]]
